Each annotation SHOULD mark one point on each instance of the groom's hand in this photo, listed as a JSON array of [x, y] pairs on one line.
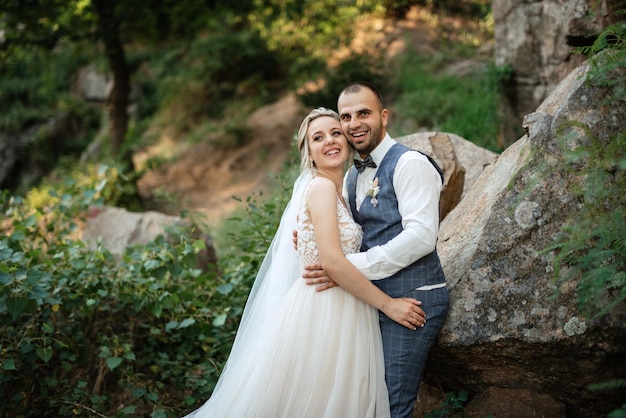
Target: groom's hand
[[314, 274]]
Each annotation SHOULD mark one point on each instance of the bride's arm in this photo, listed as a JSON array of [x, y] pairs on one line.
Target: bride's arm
[[322, 205]]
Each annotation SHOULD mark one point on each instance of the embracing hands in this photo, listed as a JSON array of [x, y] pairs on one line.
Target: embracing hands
[[315, 275], [404, 311]]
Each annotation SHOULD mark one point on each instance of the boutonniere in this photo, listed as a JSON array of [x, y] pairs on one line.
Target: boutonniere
[[373, 191]]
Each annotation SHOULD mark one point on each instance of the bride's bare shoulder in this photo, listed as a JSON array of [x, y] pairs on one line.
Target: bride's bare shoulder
[[322, 192], [321, 186]]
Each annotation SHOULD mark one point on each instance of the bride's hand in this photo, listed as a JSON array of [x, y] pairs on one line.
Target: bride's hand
[[406, 312], [314, 274]]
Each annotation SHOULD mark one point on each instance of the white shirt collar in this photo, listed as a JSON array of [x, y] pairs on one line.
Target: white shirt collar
[[381, 150]]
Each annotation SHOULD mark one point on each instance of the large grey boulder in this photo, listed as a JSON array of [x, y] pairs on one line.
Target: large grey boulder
[[507, 328], [536, 39]]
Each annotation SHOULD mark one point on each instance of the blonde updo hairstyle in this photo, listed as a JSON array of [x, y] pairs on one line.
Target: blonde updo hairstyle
[[303, 145]]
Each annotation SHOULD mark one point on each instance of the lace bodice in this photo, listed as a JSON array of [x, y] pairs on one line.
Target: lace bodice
[[350, 234]]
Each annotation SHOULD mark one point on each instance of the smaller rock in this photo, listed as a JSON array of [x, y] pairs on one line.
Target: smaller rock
[[118, 228]]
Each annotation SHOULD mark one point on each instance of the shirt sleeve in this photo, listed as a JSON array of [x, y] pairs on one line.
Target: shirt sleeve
[[418, 187]]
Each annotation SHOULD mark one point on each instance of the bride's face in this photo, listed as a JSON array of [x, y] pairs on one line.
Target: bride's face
[[328, 146]]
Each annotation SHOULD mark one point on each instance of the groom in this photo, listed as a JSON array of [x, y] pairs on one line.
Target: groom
[[393, 193]]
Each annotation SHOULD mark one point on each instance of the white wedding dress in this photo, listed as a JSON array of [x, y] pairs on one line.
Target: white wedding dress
[[321, 356]]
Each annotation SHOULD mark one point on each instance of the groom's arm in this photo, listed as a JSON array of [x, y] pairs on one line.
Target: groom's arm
[[418, 187]]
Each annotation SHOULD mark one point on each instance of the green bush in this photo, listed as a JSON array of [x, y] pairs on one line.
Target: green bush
[[197, 79], [304, 35], [34, 84], [83, 333], [464, 105]]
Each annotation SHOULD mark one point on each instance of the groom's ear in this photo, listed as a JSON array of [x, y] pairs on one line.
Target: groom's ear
[[384, 116]]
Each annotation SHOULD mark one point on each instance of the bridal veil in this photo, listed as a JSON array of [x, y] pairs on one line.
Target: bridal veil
[[278, 271]]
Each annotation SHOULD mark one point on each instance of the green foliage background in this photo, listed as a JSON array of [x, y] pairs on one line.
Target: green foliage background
[[83, 332], [146, 334]]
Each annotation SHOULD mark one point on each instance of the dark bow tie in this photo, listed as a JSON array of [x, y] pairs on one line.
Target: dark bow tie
[[367, 162]]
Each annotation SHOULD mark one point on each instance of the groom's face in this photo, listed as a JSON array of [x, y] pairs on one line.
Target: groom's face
[[363, 120]]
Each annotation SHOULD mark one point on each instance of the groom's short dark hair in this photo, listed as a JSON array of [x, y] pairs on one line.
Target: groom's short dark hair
[[356, 86]]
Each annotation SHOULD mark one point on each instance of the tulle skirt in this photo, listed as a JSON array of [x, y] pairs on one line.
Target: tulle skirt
[[322, 357]]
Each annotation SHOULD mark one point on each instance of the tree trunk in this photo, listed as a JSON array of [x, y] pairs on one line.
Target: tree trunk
[[118, 99]]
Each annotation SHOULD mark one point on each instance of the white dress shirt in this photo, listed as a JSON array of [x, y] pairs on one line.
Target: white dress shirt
[[418, 186]]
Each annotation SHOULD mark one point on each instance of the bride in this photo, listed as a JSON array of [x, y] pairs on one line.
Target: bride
[[298, 352]]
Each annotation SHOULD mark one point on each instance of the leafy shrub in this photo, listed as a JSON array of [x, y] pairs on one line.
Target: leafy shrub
[[39, 117], [465, 105], [82, 332], [303, 34], [34, 84], [197, 79]]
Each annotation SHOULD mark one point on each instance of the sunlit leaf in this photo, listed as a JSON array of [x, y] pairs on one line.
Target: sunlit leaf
[[219, 320], [113, 362], [44, 353], [225, 289], [171, 325], [187, 322]]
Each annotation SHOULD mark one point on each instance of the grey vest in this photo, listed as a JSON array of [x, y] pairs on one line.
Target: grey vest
[[383, 222]]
